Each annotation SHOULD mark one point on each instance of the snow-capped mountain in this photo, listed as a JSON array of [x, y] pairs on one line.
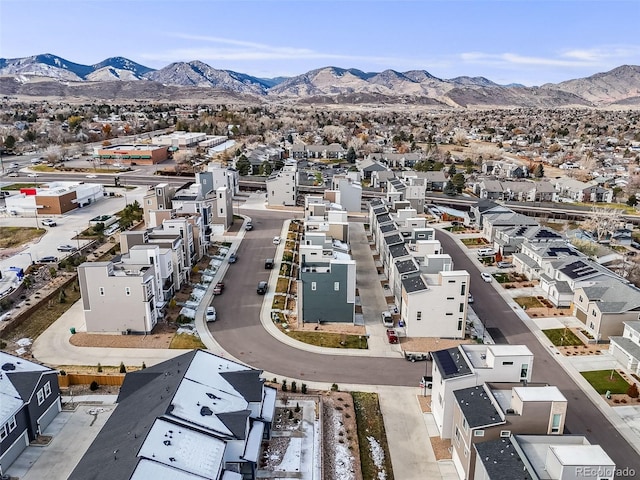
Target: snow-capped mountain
[[179, 80]]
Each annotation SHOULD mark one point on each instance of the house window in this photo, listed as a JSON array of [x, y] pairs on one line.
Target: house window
[[418, 316], [3, 432], [555, 423], [459, 324], [593, 312], [461, 307], [40, 396], [466, 451], [448, 314], [127, 291], [465, 425], [451, 281], [440, 398], [449, 298], [505, 433], [478, 433], [221, 211], [12, 424], [524, 370], [101, 290], [149, 202], [591, 325], [313, 286], [47, 389], [336, 286], [463, 288], [457, 436], [507, 363], [580, 298]]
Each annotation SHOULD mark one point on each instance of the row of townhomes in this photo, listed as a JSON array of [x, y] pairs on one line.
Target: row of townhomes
[[327, 273], [429, 294], [501, 425], [601, 299], [558, 190], [157, 261]]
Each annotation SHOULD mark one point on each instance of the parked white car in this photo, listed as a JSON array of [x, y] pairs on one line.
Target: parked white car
[[210, 315], [486, 277], [276, 240]]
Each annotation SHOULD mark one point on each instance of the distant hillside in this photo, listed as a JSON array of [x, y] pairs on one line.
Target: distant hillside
[[118, 78]]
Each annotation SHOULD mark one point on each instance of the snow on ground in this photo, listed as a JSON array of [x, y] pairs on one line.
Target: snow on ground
[[377, 454], [291, 459], [343, 460]]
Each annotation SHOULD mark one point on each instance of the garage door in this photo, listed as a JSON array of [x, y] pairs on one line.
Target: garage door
[[47, 417], [14, 451]]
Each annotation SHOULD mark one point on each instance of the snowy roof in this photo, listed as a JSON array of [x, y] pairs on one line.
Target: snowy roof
[[183, 448], [254, 440], [147, 469], [10, 399]]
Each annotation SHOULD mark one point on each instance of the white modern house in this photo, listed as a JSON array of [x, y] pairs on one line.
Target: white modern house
[[471, 365], [282, 188]]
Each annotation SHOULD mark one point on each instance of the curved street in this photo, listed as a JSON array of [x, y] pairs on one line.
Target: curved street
[[240, 332]]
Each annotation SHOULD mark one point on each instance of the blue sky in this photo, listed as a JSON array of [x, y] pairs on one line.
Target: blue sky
[[510, 41]]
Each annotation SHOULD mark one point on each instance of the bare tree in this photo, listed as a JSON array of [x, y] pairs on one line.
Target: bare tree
[[603, 221]]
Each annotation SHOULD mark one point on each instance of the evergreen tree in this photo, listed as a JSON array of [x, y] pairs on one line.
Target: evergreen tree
[[351, 155]]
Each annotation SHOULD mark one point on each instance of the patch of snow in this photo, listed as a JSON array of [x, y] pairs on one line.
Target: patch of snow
[[21, 351], [377, 455], [24, 342], [343, 460], [291, 459]]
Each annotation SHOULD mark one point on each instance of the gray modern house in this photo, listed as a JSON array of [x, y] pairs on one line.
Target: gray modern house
[[29, 401], [196, 416]]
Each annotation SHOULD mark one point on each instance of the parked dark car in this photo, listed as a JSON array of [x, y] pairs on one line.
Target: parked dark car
[[67, 248], [218, 289], [233, 258], [49, 259], [268, 263], [262, 288]]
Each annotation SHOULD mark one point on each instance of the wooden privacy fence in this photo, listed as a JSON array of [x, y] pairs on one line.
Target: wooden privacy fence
[[86, 379]]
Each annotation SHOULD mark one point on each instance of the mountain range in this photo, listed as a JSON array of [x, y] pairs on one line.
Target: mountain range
[[120, 79]]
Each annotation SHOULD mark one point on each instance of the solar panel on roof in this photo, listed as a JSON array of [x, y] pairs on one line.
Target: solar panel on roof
[[449, 367]]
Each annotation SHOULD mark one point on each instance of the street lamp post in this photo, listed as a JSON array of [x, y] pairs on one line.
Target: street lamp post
[[77, 238]]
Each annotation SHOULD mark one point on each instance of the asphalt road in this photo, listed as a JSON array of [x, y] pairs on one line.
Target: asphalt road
[[583, 417], [239, 331]]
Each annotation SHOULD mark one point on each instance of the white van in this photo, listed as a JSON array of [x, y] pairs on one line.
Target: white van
[[486, 252]]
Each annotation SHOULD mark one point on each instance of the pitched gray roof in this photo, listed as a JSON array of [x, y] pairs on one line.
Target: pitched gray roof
[[614, 297]]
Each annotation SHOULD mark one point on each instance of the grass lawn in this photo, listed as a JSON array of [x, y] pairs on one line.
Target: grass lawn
[[186, 340], [528, 302], [18, 186], [469, 242], [281, 286], [370, 424], [562, 337], [502, 277], [330, 340], [43, 317], [11, 237], [601, 381], [278, 302]]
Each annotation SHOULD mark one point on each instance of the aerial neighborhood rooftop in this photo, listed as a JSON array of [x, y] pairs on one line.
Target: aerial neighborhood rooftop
[[219, 294]]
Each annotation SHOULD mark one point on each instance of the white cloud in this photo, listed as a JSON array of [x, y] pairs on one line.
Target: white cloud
[[226, 49]]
